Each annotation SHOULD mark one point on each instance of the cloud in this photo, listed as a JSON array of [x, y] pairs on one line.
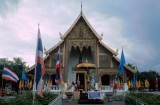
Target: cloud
[[131, 24], [8, 7]]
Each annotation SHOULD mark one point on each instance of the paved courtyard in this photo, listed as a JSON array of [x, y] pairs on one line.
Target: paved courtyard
[[75, 102]]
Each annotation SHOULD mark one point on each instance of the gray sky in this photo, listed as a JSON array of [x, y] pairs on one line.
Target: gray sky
[[133, 24]]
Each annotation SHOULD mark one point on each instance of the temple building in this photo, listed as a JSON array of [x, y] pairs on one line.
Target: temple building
[[83, 53]]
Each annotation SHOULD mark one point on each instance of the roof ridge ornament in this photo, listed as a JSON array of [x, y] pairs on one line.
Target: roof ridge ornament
[[38, 27], [101, 37], [81, 6], [60, 34]]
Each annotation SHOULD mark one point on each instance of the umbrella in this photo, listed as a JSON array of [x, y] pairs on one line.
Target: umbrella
[[86, 65]]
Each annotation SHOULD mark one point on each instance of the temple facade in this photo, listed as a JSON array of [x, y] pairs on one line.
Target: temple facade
[[81, 44]]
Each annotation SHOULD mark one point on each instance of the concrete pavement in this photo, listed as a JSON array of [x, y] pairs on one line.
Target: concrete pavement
[[75, 102]]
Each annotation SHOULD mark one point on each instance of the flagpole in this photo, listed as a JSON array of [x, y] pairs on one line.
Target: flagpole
[[2, 88], [123, 77], [2, 83], [34, 85]]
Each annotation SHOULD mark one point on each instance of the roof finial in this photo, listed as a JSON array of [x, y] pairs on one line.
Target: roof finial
[[38, 26], [81, 6]]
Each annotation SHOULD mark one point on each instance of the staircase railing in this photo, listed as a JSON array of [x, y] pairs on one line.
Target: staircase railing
[[56, 101]]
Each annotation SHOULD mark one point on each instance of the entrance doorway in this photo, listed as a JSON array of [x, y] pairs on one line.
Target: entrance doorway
[[53, 77], [105, 79], [81, 80]]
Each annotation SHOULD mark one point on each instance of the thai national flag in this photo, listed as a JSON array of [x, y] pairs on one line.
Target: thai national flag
[[40, 67], [7, 74], [58, 78], [116, 83]]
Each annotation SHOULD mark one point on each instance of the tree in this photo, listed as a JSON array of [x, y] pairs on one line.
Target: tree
[[150, 76], [16, 65]]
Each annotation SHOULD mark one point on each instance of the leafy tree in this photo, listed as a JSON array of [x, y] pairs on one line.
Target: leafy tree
[[151, 76], [16, 65]]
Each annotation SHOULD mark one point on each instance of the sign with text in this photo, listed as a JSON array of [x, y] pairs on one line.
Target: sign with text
[[94, 95]]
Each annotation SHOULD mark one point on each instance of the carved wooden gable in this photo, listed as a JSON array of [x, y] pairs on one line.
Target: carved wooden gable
[[81, 31]]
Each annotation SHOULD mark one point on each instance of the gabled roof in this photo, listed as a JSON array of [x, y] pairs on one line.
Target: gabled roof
[[54, 47], [87, 22], [107, 47]]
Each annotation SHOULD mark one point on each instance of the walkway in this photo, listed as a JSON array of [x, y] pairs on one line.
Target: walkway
[[75, 102]]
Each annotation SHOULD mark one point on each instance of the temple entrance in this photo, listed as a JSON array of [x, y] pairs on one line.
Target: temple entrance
[[77, 56], [80, 80], [53, 77], [105, 79]]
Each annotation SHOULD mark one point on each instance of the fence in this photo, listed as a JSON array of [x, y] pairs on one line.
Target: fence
[[56, 101]]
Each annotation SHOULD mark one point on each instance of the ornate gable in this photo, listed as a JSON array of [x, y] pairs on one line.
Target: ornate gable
[[81, 30]]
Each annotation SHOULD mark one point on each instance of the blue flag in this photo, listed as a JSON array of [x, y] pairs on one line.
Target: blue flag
[[94, 81], [24, 76], [122, 62], [134, 80]]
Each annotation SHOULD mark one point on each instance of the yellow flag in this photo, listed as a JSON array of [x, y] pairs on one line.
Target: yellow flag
[[146, 83], [118, 84], [20, 84], [129, 84], [48, 83], [30, 84], [139, 83]]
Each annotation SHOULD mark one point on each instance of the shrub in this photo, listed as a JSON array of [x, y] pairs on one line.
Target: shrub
[[139, 98], [27, 99]]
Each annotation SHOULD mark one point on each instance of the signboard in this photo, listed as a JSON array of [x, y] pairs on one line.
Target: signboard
[[94, 95]]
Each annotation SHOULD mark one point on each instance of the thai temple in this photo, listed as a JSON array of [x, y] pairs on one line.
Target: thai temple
[[82, 55]]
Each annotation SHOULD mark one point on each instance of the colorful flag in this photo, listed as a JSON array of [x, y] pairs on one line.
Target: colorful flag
[[129, 84], [122, 62], [58, 78], [49, 84], [115, 83], [156, 83], [94, 79], [139, 84], [7, 74], [40, 67], [134, 80], [30, 84], [24, 76], [118, 84], [20, 84], [147, 84]]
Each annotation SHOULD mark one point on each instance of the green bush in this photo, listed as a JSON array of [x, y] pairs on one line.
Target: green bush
[[139, 98], [3, 102], [27, 99]]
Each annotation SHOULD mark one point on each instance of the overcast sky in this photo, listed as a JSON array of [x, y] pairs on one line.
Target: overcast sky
[[133, 24]]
